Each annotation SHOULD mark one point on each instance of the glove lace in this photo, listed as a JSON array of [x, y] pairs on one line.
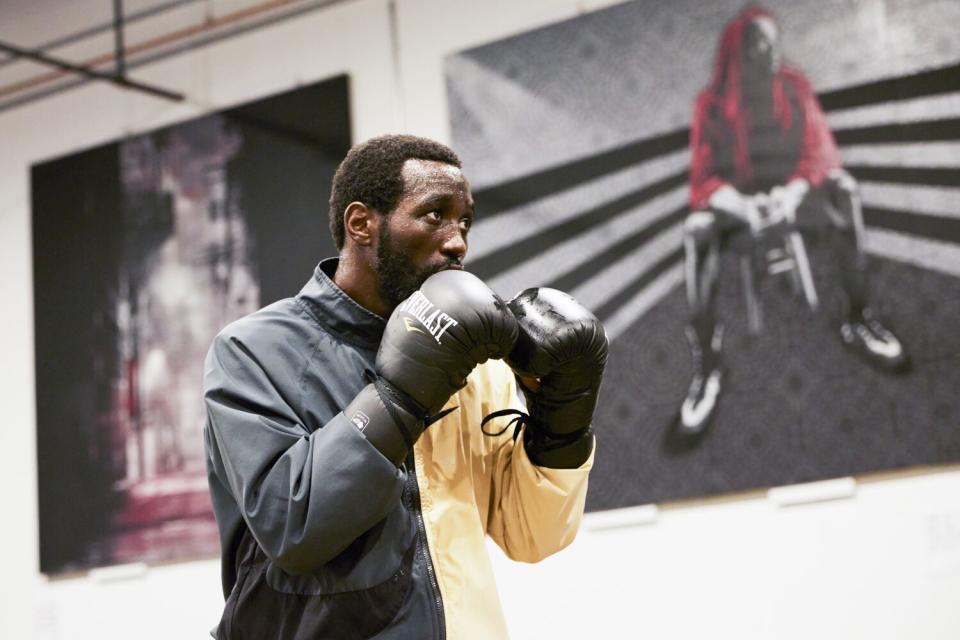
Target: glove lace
[[520, 418], [539, 439]]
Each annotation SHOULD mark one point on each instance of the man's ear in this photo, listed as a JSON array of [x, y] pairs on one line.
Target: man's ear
[[361, 223]]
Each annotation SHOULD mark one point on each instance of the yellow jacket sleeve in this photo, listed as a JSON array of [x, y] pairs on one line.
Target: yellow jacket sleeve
[[532, 511], [473, 486]]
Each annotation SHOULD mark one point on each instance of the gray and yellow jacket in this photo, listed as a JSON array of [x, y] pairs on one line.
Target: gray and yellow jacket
[[321, 536]]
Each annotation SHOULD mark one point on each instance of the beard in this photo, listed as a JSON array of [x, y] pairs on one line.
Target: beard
[[399, 276]]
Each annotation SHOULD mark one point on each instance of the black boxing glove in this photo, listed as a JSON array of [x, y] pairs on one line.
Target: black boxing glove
[[563, 345], [433, 340]]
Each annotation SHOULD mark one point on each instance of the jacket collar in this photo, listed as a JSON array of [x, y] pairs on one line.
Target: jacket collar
[[338, 312]]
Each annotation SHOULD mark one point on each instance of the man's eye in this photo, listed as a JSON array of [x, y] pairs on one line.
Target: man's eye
[[466, 223], [434, 216]]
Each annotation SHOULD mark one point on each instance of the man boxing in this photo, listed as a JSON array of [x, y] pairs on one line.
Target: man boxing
[[761, 153], [350, 473]]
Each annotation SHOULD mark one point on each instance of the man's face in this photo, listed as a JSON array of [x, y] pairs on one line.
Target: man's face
[[426, 232], [761, 47]]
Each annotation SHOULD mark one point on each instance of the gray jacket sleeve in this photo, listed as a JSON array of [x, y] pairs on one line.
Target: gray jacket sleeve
[[304, 496]]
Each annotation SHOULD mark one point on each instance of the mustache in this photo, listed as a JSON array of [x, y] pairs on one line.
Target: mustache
[[446, 264]]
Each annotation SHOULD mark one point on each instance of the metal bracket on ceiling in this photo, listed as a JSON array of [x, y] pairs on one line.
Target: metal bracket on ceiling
[[118, 77]]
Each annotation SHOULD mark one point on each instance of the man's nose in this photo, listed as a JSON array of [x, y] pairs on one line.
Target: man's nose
[[455, 245]]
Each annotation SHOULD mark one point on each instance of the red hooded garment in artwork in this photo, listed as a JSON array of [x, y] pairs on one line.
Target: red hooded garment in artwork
[[722, 122]]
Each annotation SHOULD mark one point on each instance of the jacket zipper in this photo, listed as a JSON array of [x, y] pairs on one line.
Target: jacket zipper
[[422, 532]]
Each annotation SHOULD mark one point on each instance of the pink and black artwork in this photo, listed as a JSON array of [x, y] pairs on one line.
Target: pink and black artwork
[[143, 250]]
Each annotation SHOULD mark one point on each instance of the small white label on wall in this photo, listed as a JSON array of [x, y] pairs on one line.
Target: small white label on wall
[[621, 518], [807, 493], [941, 532], [46, 620]]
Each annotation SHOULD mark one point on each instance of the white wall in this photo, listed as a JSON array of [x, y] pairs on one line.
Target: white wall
[[884, 563]]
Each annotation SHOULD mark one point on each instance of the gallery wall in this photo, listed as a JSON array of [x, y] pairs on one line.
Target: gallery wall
[[878, 557]]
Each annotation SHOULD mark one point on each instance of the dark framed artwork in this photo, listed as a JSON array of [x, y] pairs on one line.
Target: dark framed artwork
[[143, 249], [586, 186]]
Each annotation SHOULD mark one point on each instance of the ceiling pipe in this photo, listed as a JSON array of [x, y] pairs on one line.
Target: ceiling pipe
[[120, 67], [86, 67], [68, 67], [49, 46]]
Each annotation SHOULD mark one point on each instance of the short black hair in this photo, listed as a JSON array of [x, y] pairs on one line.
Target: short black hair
[[371, 174]]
